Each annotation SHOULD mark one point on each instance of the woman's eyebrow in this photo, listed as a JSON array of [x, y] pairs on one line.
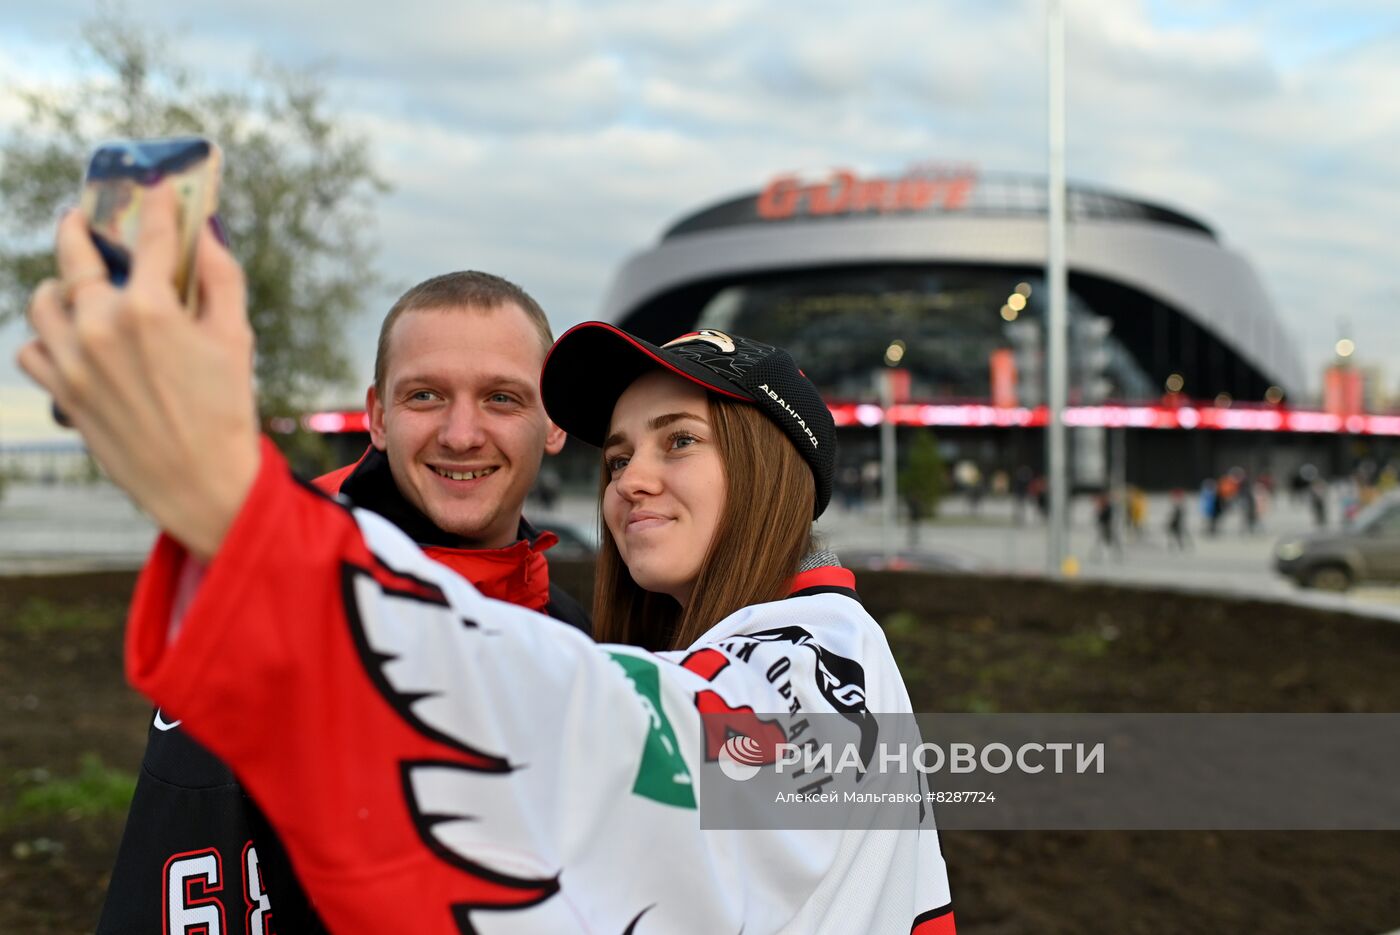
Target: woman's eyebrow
[[655, 423], [664, 420]]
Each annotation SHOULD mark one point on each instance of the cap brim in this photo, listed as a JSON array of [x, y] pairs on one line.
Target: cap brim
[[593, 363]]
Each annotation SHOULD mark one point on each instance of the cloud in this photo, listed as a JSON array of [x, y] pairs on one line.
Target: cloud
[[549, 140], [1286, 158]]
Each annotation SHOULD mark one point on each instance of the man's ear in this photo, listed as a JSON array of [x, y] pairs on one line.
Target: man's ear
[[554, 439], [375, 408]]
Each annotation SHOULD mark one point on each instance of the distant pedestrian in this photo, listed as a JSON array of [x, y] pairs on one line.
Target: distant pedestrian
[[1229, 484], [1227, 493], [1107, 538], [1211, 507], [1039, 492], [1300, 486], [1177, 536], [1137, 513], [1249, 502], [1021, 492], [1317, 500]]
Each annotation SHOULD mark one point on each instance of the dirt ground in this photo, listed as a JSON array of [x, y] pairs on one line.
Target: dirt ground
[[72, 733], [63, 698]]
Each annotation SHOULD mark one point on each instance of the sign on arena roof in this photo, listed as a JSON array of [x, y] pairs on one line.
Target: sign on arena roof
[[842, 191]]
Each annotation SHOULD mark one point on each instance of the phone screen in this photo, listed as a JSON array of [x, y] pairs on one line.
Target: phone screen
[[117, 178], [115, 188]]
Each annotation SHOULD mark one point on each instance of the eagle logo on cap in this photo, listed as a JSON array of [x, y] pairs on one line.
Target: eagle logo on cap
[[717, 339]]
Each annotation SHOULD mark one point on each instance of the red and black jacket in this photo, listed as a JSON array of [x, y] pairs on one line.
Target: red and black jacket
[[194, 836], [517, 573]]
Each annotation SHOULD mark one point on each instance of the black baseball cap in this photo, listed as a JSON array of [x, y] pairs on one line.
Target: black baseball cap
[[592, 364]]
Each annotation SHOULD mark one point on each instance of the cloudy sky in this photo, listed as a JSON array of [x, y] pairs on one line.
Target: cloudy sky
[[547, 141]]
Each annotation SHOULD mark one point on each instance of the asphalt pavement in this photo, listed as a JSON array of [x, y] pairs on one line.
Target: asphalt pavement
[[988, 538], [68, 527], [72, 527]]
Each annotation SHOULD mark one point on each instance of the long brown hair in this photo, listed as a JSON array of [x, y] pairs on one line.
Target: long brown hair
[[764, 531]]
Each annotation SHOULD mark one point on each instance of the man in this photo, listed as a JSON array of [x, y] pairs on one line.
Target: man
[[458, 434]]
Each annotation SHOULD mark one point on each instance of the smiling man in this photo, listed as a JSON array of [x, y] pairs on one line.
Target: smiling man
[[455, 404], [458, 433], [463, 444]]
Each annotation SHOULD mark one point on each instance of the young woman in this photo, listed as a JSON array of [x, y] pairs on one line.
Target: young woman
[[440, 762], [756, 468]]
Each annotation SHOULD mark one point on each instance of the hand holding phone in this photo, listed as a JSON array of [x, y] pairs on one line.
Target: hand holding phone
[[164, 399]]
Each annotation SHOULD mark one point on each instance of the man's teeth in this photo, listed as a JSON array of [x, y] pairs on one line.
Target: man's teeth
[[465, 475]]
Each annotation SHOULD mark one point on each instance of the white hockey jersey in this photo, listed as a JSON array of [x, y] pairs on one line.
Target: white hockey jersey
[[437, 761]]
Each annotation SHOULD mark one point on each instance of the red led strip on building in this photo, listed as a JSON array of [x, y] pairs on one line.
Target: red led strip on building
[[334, 423], [974, 415]]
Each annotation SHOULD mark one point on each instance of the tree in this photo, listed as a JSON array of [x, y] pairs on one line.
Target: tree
[[296, 196], [923, 481]]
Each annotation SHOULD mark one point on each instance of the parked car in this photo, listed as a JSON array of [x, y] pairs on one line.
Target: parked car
[[1366, 551], [907, 560]]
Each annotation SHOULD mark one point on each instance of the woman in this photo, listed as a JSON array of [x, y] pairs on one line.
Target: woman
[[754, 489], [438, 761]]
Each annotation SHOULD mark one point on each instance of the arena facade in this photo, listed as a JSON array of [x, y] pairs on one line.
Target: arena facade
[[838, 266], [1171, 330]]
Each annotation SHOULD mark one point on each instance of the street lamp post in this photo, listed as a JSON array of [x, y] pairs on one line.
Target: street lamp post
[[1056, 276], [888, 504]]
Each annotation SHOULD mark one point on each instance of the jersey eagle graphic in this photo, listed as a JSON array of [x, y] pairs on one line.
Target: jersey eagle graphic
[[465, 808]]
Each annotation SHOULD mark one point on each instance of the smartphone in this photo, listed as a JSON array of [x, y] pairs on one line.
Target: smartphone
[[115, 189], [114, 192]]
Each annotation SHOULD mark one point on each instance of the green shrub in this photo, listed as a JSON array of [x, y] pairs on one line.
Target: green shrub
[[96, 790]]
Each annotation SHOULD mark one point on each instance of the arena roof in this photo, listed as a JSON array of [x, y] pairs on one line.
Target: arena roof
[[958, 216], [843, 195]]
